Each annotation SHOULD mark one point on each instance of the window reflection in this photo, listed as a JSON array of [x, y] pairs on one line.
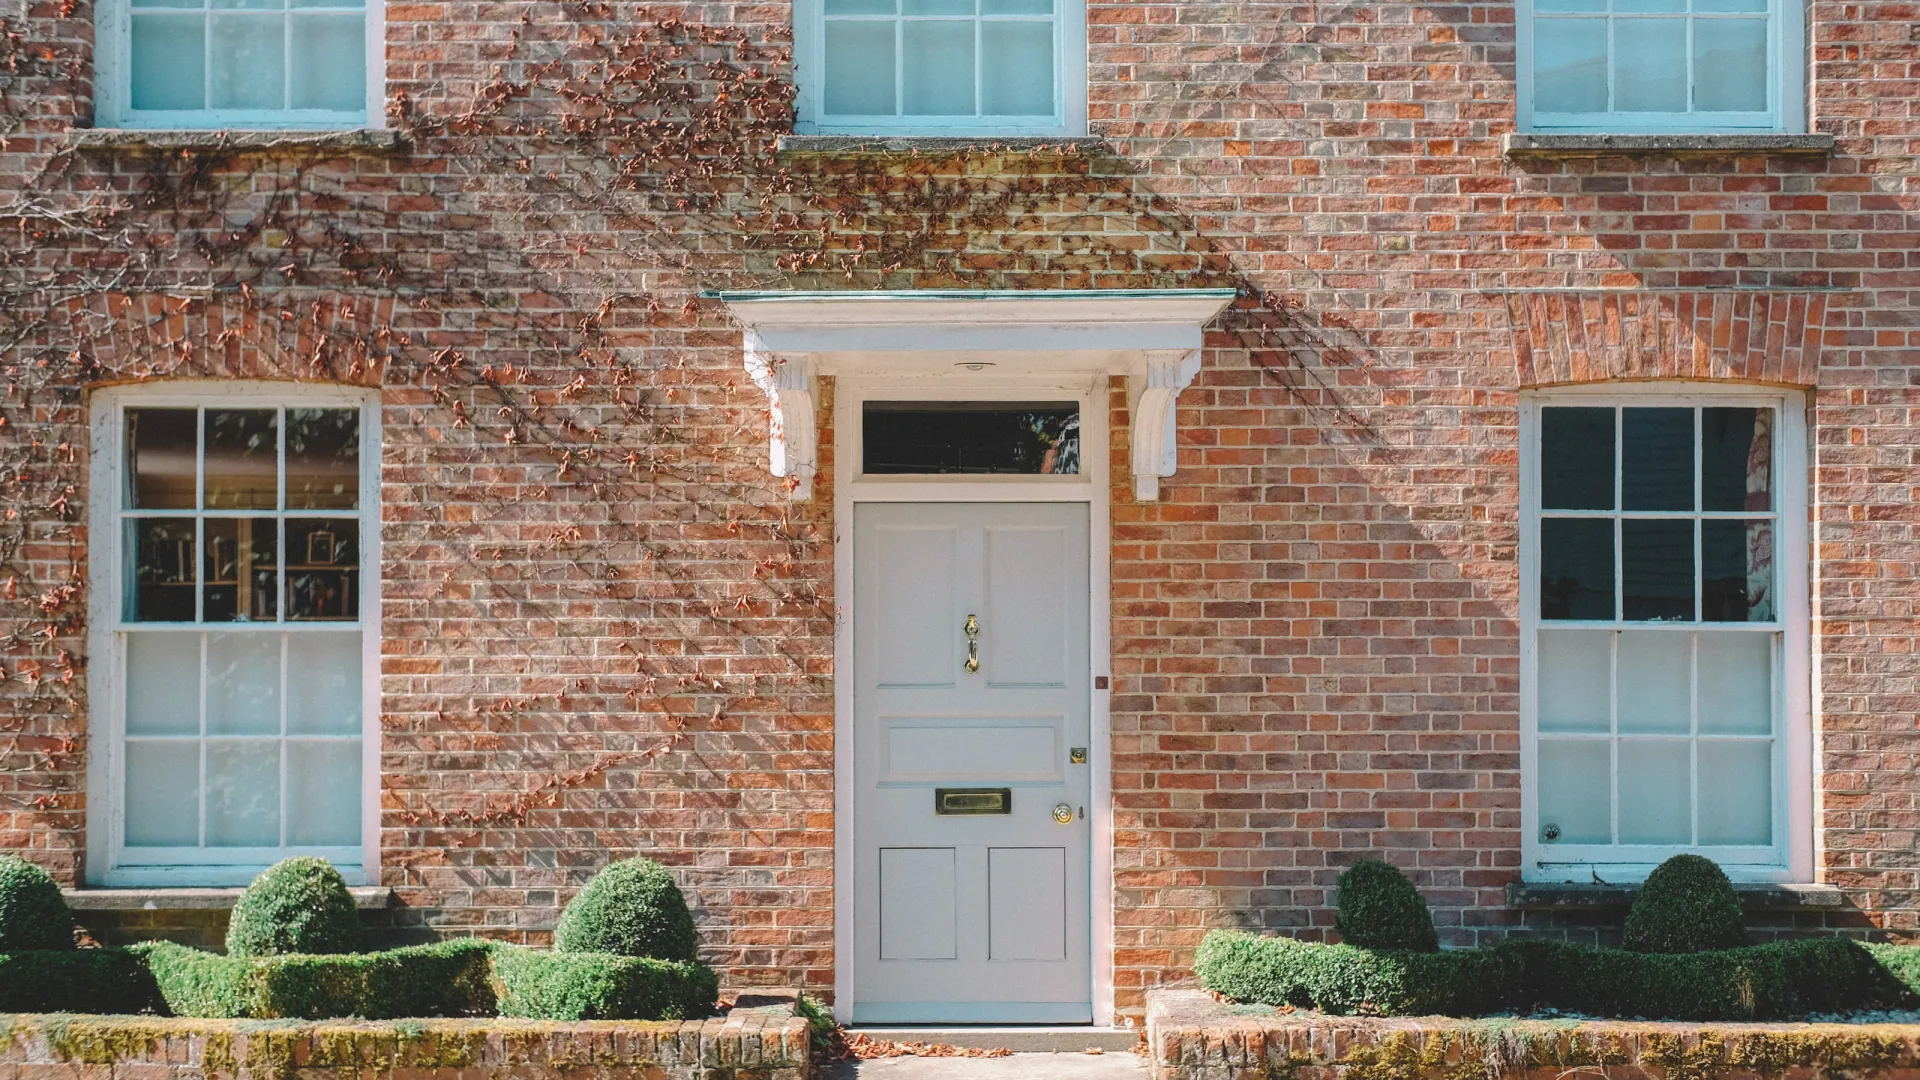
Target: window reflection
[[980, 437], [162, 570], [160, 457], [242, 459], [323, 459], [323, 568]]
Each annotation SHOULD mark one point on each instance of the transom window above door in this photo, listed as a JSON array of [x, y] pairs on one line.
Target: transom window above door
[[1660, 632], [235, 63], [1652, 66], [942, 67], [905, 438]]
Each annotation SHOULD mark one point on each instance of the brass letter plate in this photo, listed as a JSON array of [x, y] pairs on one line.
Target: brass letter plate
[[992, 800]]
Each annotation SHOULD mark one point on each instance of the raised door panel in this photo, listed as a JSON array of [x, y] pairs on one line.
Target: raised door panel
[[918, 904], [1024, 638], [916, 568], [1027, 903]]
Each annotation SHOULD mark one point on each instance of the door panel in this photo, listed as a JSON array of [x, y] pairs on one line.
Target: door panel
[[970, 917]]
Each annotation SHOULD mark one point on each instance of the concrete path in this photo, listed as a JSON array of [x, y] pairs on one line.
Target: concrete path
[[1110, 1066]]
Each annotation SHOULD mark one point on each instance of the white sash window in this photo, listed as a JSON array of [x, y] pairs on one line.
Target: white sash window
[[232, 534]]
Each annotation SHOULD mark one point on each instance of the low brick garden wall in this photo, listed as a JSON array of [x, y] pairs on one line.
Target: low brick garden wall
[[760, 1039], [1193, 1037]]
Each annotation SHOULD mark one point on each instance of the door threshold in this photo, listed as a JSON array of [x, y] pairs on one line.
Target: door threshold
[[1019, 1038]]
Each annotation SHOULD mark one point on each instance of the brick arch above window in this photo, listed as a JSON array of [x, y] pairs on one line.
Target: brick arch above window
[[1588, 336]]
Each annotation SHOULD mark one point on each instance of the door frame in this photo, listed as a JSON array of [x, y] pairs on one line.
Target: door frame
[[1090, 487]]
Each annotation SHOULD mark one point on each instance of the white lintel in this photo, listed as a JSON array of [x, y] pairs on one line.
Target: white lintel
[[1153, 336]]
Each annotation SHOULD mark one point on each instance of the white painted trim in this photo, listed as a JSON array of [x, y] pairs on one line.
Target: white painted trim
[[1090, 487], [106, 671], [1792, 859]]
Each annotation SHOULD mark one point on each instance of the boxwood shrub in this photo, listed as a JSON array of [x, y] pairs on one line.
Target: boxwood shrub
[[1686, 905], [630, 908], [600, 986], [77, 980], [33, 914], [1346, 979], [1380, 909], [445, 979], [296, 906]]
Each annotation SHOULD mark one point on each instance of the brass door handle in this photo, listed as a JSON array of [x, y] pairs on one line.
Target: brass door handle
[[972, 630], [1063, 814]]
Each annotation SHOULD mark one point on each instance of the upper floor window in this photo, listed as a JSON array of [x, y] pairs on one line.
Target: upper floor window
[[236, 63], [942, 67], [1654, 66], [1665, 658], [231, 720]]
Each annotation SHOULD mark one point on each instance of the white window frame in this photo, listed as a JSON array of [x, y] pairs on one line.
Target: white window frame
[[106, 639], [1069, 90], [113, 86], [1786, 89], [1790, 858]]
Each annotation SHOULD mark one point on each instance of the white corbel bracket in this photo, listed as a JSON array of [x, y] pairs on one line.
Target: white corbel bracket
[[794, 436], [1155, 450]]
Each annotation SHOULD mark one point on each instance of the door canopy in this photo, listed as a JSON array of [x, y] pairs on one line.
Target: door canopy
[[1152, 336]]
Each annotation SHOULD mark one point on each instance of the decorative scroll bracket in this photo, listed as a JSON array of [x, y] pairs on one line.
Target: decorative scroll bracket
[[793, 445], [1154, 444]]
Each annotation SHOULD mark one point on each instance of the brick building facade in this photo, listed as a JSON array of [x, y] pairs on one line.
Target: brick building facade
[[600, 625]]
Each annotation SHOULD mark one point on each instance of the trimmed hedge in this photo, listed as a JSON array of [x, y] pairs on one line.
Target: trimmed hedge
[[1774, 981], [33, 914], [445, 979], [630, 908], [1380, 909], [1686, 905], [541, 985], [77, 980], [297, 906]]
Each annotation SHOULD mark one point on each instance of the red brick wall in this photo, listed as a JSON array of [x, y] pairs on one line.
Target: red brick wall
[[1315, 629]]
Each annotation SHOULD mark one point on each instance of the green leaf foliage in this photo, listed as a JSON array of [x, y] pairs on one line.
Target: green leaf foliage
[[297, 906], [542, 985], [630, 908], [1346, 979], [77, 980], [445, 979], [33, 914], [1774, 981], [1686, 905], [1380, 909]]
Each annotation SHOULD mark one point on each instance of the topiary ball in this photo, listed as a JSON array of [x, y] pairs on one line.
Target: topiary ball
[[1380, 909], [1686, 905], [296, 905], [631, 908], [33, 914]]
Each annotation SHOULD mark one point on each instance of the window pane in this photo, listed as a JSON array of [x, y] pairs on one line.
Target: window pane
[[1570, 65], [323, 793], [161, 570], [1656, 462], [1736, 683], [1016, 7], [1576, 569], [323, 684], [329, 66], [1738, 572], [937, 65], [1656, 797], [1650, 65], [160, 449], [1574, 778], [239, 572], [162, 781], [243, 458], [245, 5], [249, 65], [1736, 459], [168, 57], [323, 459], [1736, 792], [1729, 5], [936, 7], [1656, 570], [163, 684], [243, 793], [1730, 65], [860, 7], [1017, 64], [323, 568], [1576, 459], [243, 684], [931, 437], [1576, 669], [859, 64], [1652, 6], [1656, 682]]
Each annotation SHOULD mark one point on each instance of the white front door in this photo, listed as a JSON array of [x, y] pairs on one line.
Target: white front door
[[971, 835]]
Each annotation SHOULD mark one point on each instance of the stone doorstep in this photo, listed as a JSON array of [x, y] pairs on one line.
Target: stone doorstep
[[1193, 1037], [1064, 1039]]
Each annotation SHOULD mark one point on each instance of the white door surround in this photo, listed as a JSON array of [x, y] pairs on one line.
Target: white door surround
[[983, 345]]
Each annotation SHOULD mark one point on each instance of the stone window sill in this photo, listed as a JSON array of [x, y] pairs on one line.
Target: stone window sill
[[1529, 145], [365, 897], [931, 144], [1763, 897], [137, 139]]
